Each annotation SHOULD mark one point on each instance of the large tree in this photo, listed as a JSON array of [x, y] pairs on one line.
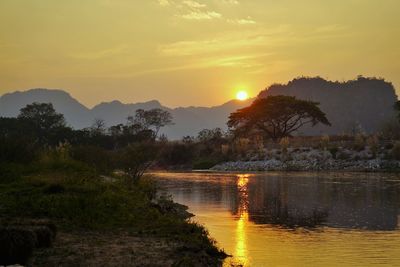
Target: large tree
[[45, 123], [153, 119], [276, 117], [397, 108], [43, 116]]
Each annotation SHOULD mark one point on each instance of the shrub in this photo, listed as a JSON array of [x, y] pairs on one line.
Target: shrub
[[325, 141], [205, 163], [373, 144], [10, 172], [136, 158], [395, 153], [334, 150], [359, 142]]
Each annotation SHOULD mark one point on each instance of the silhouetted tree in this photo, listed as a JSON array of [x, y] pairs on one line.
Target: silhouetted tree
[[136, 158], [98, 127], [397, 108], [45, 123], [276, 116], [43, 115], [153, 119]]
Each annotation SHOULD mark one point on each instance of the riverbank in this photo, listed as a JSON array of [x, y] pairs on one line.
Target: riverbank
[[305, 165], [308, 159], [121, 248], [98, 222]]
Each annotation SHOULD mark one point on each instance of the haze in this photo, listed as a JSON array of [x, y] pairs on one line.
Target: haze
[[192, 52]]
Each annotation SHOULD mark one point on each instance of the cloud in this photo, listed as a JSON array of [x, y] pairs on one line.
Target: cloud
[[231, 2], [194, 4], [238, 41], [191, 9], [245, 21], [164, 2], [202, 15], [106, 53]]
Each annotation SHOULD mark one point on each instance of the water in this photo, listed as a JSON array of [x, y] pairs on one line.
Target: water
[[296, 219]]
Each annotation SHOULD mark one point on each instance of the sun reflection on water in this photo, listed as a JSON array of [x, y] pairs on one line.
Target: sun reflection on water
[[241, 252]]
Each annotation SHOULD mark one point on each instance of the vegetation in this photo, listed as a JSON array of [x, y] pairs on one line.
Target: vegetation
[[276, 117], [367, 101], [50, 171]]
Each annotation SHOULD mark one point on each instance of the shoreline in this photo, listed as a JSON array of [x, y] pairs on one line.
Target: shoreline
[[310, 166]]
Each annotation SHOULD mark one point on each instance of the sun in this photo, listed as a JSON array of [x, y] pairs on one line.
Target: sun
[[242, 95]]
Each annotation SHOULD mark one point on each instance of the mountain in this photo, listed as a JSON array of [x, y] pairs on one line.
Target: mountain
[[75, 113], [364, 103], [187, 120]]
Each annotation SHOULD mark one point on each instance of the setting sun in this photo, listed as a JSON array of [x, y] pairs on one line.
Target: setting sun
[[242, 95]]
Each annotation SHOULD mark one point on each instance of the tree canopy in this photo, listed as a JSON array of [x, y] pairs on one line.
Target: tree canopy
[[153, 119], [43, 115], [276, 117], [397, 108]]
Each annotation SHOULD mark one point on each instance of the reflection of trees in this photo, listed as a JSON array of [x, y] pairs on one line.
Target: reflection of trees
[[313, 201]]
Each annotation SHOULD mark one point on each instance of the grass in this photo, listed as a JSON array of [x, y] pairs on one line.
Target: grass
[[76, 199]]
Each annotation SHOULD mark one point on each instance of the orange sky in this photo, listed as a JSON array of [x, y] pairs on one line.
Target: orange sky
[[186, 52]]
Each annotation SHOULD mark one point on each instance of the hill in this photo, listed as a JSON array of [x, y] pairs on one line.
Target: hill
[[363, 103], [188, 120]]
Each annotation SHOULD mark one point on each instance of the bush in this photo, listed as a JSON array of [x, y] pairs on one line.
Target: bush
[[395, 153], [59, 160], [174, 154], [100, 159], [359, 142], [205, 163], [136, 158], [10, 172], [334, 150]]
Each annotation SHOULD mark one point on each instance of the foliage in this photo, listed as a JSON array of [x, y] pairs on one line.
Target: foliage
[[276, 116], [177, 154], [205, 163], [88, 202], [102, 160], [136, 158], [359, 142], [390, 130], [43, 116], [325, 141], [395, 152], [150, 119], [397, 108], [373, 144]]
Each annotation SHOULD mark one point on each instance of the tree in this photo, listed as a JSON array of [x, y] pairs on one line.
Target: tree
[[276, 116], [213, 136], [98, 127], [153, 119], [397, 108], [48, 125], [43, 115], [136, 158]]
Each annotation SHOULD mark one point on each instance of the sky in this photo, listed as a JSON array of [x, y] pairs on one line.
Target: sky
[[187, 52]]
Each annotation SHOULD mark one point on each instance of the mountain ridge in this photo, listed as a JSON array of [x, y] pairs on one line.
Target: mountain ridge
[[187, 120], [365, 103]]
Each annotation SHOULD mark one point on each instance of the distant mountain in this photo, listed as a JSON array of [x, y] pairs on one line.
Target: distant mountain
[[364, 103], [75, 113], [187, 121]]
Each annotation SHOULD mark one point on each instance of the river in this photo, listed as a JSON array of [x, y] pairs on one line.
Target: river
[[295, 219]]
